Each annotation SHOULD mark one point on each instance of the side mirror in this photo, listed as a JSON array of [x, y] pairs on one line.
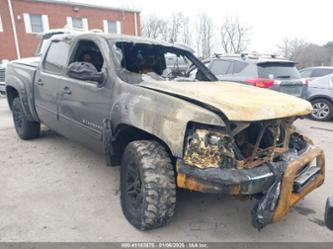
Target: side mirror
[[329, 213], [85, 71]]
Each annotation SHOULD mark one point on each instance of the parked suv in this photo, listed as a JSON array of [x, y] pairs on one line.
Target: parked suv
[[261, 71], [315, 72]]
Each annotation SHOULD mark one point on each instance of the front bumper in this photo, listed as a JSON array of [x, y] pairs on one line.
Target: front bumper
[[253, 181]]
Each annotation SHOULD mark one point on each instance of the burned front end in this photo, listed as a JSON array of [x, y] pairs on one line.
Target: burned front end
[[266, 159]]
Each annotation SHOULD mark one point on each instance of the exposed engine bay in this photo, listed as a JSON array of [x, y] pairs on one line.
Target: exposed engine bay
[[247, 145]]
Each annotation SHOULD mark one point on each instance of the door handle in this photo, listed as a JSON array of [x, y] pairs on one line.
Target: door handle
[[67, 90], [40, 82]]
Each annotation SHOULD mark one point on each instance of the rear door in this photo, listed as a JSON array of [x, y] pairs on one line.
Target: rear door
[[285, 75], [48, 81], [85, 104], [220, 67]]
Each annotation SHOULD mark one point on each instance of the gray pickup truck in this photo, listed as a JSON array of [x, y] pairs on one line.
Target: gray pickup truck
[[114, 95]]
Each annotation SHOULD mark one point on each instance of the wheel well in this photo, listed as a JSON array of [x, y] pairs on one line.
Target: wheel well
[[125, 134], [321, 97], [12, 93]]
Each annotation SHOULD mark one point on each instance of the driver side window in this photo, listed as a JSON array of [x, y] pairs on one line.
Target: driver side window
[[87, 51]]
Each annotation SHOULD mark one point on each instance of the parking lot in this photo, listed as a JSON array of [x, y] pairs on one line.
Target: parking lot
[[52, 189]]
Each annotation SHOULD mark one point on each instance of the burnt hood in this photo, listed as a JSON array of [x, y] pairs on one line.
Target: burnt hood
[[237, 101]]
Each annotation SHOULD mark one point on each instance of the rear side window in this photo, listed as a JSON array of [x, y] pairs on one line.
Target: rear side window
[[278, 71], [321, 72], [306, 73], [238, 66], [56, 57], [219, 67]]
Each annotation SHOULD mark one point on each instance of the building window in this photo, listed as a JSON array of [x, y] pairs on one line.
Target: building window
[[77, 23], [112, 26], [1, 27], [35, 23]]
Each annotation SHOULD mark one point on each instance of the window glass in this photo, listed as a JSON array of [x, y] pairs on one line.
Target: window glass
[[220, 67], [36, 23], [88, 51], [278, 71], [329, 71], [306, 73], [238, 66], [112, 27], [321, 72], [77, 23], [56, 57]]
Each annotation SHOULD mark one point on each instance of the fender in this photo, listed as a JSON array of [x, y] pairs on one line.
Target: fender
[[23, 86], [107, 137]]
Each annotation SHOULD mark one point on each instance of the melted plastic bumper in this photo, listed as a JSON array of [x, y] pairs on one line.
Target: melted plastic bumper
[[288, 197], [275, 181], [226, 181]]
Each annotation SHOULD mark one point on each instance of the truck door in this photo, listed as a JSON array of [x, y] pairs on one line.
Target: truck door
[[84, 104], [47, 82]]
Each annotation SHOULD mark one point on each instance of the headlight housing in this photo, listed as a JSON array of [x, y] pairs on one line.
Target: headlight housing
[[209, 148]]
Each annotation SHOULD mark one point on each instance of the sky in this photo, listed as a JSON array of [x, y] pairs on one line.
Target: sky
[[271, 21]]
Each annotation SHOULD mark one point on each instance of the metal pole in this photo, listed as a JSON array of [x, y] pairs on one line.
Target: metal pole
[[136, 24], [14, 29]]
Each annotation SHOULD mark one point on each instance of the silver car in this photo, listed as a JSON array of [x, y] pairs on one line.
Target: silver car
[[320, 94], [315, 72]]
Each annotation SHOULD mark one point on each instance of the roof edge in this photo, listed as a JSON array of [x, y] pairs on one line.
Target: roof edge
[[74, 3]]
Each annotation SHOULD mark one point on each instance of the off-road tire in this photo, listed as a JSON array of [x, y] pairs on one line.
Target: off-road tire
[[25, 129], [156, 182], [328, 105]]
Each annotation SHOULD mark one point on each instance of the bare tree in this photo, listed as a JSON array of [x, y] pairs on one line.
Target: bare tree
[[186, 36], [204, 29], [154, 27], [314, 55], [234, 35], [174, 28], [304, 53], [292, 48]]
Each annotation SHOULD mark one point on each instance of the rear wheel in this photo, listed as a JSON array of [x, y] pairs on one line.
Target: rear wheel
[[148, 189], [322, 110], [25, 129]]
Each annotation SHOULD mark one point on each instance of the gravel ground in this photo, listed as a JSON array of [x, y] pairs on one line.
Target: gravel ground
[[52, 189]]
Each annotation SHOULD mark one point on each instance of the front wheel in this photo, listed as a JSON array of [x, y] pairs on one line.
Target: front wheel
[[322, 110], [147, 183], [25, 129]]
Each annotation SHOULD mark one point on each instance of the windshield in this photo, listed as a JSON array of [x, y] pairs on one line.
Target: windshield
[[142, 61], [278, 71]]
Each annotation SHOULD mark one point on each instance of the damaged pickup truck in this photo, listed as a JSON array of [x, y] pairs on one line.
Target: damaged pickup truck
[[116, 95]]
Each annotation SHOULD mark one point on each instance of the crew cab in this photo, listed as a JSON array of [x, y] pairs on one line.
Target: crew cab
[[115, 95]]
